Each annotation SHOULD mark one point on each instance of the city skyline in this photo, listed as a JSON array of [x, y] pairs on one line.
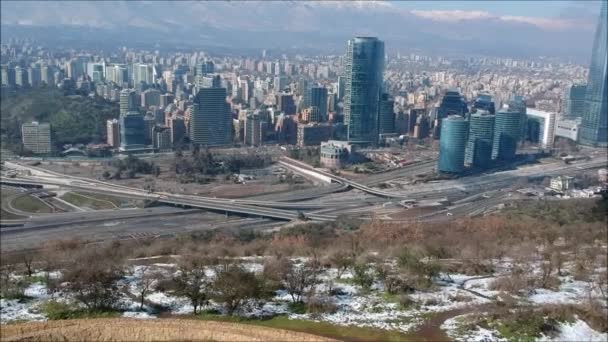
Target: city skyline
[[434, 27]]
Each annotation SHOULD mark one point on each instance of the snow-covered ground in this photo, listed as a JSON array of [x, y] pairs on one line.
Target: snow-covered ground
[[353, 306]]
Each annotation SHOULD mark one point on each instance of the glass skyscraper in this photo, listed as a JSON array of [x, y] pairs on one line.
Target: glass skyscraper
[[594, 126], [507, 133], [211, 119], [452, 145], [574, 105], [364, 67], [479, 144]]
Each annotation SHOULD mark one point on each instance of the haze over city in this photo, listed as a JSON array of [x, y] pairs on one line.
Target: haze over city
[[304, 170]]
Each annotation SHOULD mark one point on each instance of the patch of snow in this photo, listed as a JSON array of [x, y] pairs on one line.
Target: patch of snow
[[138, 314], [578, 331], [15, 310], [452, 328]]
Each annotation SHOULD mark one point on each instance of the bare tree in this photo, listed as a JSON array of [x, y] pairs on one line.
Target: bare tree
[[28, 260], [145, 284], [297, 279], [341, 261], [192, 281]]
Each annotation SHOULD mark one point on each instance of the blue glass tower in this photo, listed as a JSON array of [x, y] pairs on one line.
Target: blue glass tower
[[594, 126], [507, 131], [364, 69], [132, 131], [452, 104], [479, 144], [452, 145]]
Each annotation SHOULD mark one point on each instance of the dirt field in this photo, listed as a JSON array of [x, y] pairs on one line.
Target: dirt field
[[121, 329], [167, 180]]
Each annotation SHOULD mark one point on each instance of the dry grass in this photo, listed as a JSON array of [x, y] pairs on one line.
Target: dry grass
[[120, 329]]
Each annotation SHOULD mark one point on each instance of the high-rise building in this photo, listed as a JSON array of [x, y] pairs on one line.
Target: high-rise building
[[318, 98], [161, 138], [363, 69], [177, 126], [517, 104], [386, 115], [452, 145], [128, 101], [540, 127], [452, 103], [33, 76], [594, 127], [150, 97], [285, 103], [255, 129], [479, 143], [341, 87], [574, 101], [422, 127], [132, 131], [113, 133], [211, 122], [36, 137], [506, 134], [21, 77], [165, 100], [484, 102]]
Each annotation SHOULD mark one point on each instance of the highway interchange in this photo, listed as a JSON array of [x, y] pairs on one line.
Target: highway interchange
[[447, 200]]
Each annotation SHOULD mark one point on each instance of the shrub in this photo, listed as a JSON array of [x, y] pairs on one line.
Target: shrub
[[320, 305], [363, 277]]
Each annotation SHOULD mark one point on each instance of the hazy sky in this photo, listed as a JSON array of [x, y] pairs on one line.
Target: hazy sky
[[553, 28]]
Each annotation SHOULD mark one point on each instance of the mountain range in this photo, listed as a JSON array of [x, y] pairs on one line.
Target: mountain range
[[313, 26]]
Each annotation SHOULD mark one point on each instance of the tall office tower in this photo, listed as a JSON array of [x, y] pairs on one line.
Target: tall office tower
[[451, 104], [507, 132], [36, 137], [143, 73], [96, 71], [113, 133], [285, 103], [178, 130], [75, 68], [517, 104], [254, 129], [594, 126], [204, 68], [149, 124], [415, 113], [484, 102], [479, 144], [363, 69], [386, 116], [21, 77], [150, 97], [574, 101], [132, 131], [46, 74], [318, 98], [33, 76], [128, 101], [452, 145], [341, 87], [211, 121], [165, 100], [421, 129], [279, 83]]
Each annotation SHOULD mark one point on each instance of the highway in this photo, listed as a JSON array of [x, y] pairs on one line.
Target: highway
[[462, 195]]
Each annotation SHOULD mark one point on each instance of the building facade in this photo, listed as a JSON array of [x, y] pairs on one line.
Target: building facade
[[36, 137], [211, 122], [479, 144], [364, 67], [506, 134], [452, 145], [594, 126], [113, 133]]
